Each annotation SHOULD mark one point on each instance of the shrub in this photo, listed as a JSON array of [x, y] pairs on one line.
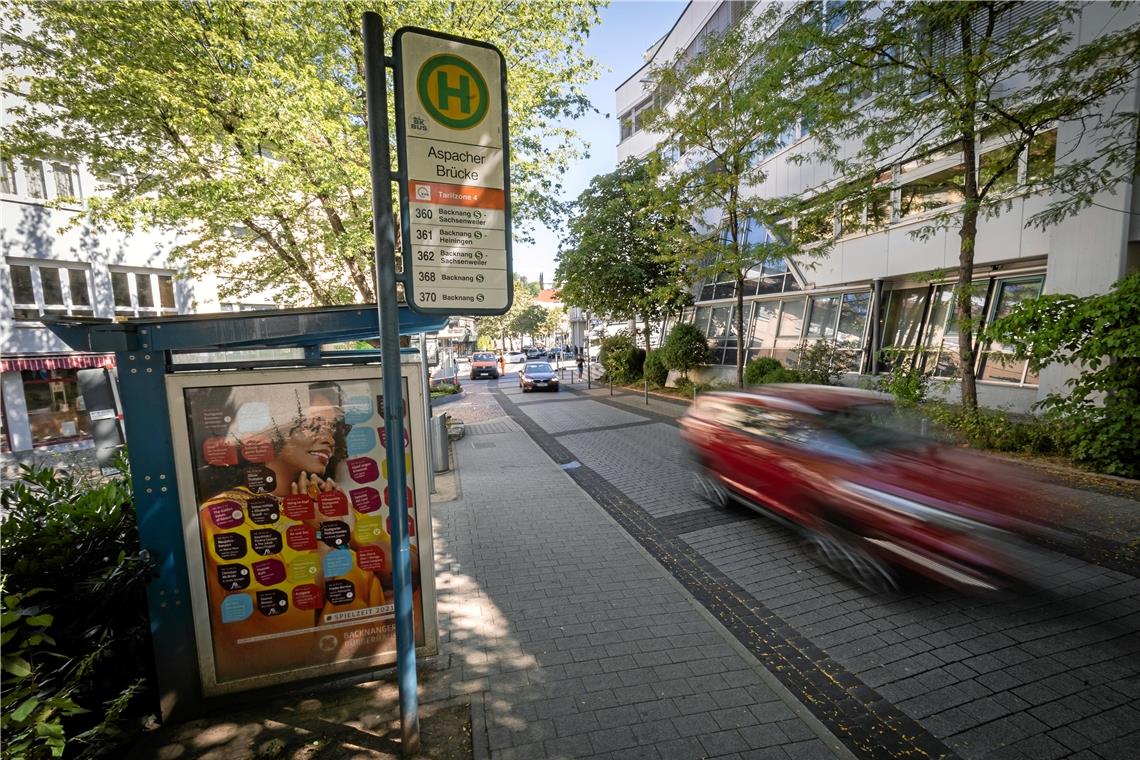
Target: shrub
[[655, 370], [1098, 418], [759, 368], [821, 363], [621, 359], [75, 632], [996, 430], [685, 348], [445, 389], [906, 383]]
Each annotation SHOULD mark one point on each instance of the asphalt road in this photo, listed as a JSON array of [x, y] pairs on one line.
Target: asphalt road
[[1045, 673]]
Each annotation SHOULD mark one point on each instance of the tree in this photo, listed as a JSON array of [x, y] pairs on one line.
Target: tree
[[685, 349], [615, 260], [991, 83], [722, 112], [506, 326], [242, 125], [1099, 336]]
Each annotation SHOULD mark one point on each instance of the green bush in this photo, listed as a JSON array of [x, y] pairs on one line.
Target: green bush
[[906, 383], [76, 639], [1097, 419], [621, 359], [655, 369], [997, 430], [757, 370], [445, 389], [685, 348]]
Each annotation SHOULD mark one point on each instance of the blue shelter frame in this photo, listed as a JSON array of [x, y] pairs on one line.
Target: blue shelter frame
[[144, 354]]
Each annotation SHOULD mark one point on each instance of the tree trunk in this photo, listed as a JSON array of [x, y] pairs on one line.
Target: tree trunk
[[968, 234], [739, 330]]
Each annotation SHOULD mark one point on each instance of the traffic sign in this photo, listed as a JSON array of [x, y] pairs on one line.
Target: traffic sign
[[455, 201]]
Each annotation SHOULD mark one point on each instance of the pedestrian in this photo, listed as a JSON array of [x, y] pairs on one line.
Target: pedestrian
[[581, 365]]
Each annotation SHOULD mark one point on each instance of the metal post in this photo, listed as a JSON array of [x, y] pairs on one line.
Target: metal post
[[384, 238], [588, 386], [646, 391], [427, 403]]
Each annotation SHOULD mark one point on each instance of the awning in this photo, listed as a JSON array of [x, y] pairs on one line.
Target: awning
[[66, 361]]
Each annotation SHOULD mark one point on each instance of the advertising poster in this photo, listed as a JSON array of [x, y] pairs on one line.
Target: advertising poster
[[290, 485]]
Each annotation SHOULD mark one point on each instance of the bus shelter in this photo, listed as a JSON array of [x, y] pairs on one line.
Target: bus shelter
[[259, 483]]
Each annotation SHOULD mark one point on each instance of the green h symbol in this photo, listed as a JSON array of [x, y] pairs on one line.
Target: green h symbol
[[447, 92]]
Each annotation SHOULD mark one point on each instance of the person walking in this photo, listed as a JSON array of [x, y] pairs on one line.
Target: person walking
[[581, 365]]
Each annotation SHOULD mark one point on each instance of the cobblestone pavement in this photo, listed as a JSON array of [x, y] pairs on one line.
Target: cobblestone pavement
[[570, 641], [1039, 674]]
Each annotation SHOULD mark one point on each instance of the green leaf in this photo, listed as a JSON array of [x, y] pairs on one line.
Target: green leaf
[[43, 620], [17, 666], [21, 713]]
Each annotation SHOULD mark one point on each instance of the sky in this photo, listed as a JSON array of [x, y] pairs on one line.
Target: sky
[[617, 43]]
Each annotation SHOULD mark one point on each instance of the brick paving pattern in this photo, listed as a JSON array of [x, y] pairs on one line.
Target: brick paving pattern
[[1041, 674]]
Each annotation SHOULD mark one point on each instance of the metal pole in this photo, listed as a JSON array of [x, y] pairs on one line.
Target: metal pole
[[385, 241], [427, 404], [588, 386], [647, 391]]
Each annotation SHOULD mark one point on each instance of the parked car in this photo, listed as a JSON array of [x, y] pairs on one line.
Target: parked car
[[538, 376], [535, 352], [484, 363], [515, 357], [871, 498]]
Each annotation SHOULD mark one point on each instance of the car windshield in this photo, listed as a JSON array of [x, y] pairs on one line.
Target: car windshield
[[877, 426], [538, 367], [484, 357]]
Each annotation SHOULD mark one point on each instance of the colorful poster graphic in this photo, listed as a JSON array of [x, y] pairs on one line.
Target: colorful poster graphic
[[294, 521]]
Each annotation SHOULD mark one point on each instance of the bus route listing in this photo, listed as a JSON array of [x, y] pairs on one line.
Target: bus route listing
[[457, 239]]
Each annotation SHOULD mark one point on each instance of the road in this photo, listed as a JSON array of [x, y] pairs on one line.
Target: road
[[924, 672]]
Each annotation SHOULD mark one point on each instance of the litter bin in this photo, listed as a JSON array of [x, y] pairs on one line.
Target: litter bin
[[439, 453]]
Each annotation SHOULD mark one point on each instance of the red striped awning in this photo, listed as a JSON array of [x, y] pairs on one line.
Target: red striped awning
[[67, 361]]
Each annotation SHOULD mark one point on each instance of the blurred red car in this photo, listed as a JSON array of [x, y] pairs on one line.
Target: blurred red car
[[872, 498]]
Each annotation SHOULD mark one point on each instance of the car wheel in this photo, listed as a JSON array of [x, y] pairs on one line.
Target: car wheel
[[851, 562], [710, 489]]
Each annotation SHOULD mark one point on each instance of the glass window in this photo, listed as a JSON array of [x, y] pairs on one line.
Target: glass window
[[143, 290], [23, 293], [66, 180], [80, 293], [998, 160], [52, 289], [853, 319], [763, 330], [34, 179], [792, 318], [998, 364], [1042, 156], [166, 291], [626, 126], [824, 314], [7, 178], [932, 191], [55, 409], [903, 321], [121, 288]]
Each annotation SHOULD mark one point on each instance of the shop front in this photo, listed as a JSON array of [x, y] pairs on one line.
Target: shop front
[[42, 403]]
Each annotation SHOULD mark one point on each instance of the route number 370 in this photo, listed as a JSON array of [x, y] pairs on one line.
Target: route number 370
[[425, 297]]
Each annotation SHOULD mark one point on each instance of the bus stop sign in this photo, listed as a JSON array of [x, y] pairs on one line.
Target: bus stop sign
[[455, 207]]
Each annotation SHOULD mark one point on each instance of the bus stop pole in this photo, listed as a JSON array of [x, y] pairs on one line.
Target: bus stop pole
[[385, 241]]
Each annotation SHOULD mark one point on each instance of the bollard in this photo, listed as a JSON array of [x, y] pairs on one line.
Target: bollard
[[611, 387], [441, 461], [647, 391]]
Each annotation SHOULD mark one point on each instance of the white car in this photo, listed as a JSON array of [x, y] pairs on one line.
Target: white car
[[515, 357]]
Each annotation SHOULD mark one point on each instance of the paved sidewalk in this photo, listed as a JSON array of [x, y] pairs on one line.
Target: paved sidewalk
[[576, 643]]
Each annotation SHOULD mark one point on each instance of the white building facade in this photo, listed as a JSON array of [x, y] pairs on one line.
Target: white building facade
[[883, 288]]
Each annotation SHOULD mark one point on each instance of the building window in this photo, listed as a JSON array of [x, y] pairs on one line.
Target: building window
[[34, 180], [842, 319], [997, 362], [933, 191], [58, 288], [1042, 157], [143, 294], [66, 180], [56, 412], [7, 177]]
